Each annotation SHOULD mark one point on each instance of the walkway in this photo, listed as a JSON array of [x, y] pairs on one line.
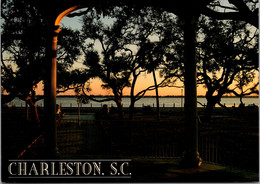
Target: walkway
[[168, 170]]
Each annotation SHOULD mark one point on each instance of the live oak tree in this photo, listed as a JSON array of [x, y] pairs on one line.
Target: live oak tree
[[173, 65], [243, 11], [245, 84], [68, 53], [236, 10], [152, 38], [110, 64], [21, 51], [134, 42], [225, 49], [227, 55], [23, 58]]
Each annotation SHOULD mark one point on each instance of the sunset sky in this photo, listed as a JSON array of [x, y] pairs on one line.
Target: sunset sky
[[143, 81]]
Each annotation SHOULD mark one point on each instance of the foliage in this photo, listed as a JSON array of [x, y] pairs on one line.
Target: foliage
[[236, 10], [225, 49], [24, 41], [125, 43], [23, 47]]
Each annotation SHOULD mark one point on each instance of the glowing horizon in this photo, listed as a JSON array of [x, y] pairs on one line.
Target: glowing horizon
[[142, 83]]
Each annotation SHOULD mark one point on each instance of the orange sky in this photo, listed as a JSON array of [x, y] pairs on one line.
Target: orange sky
[[143, 82]]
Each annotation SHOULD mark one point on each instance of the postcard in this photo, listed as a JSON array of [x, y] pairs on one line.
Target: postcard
[[129, 91]]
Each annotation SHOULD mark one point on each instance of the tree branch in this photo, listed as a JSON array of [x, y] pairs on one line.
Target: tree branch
[[201, 104], [62, 91], [248, 16], [93, 99], [224, 7], [223, 106], [78, 13]]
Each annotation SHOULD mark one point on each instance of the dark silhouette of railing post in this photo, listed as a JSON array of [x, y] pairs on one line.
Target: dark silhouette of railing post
[[191, 156]]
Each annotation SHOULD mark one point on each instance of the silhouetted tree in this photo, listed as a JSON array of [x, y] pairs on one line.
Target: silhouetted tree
[[153, 38], [225, 49], [129, 46], [236, 10], [245, 85], [23, 50], [153, 57], [110, 64]]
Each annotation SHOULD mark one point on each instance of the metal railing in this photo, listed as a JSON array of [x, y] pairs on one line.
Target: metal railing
[[146, 139]]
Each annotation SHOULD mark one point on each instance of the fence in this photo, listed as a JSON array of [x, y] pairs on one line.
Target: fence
[[150, 139], [234, 150], [143, 139]]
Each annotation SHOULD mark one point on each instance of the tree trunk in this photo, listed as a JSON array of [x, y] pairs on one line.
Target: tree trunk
[[241, 99], [132, 98], [208, 111], [26, 111], [131, 109], [211, 102], [157, 97], [191, 156], [120, 108], [34, 109], [118, 101]]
